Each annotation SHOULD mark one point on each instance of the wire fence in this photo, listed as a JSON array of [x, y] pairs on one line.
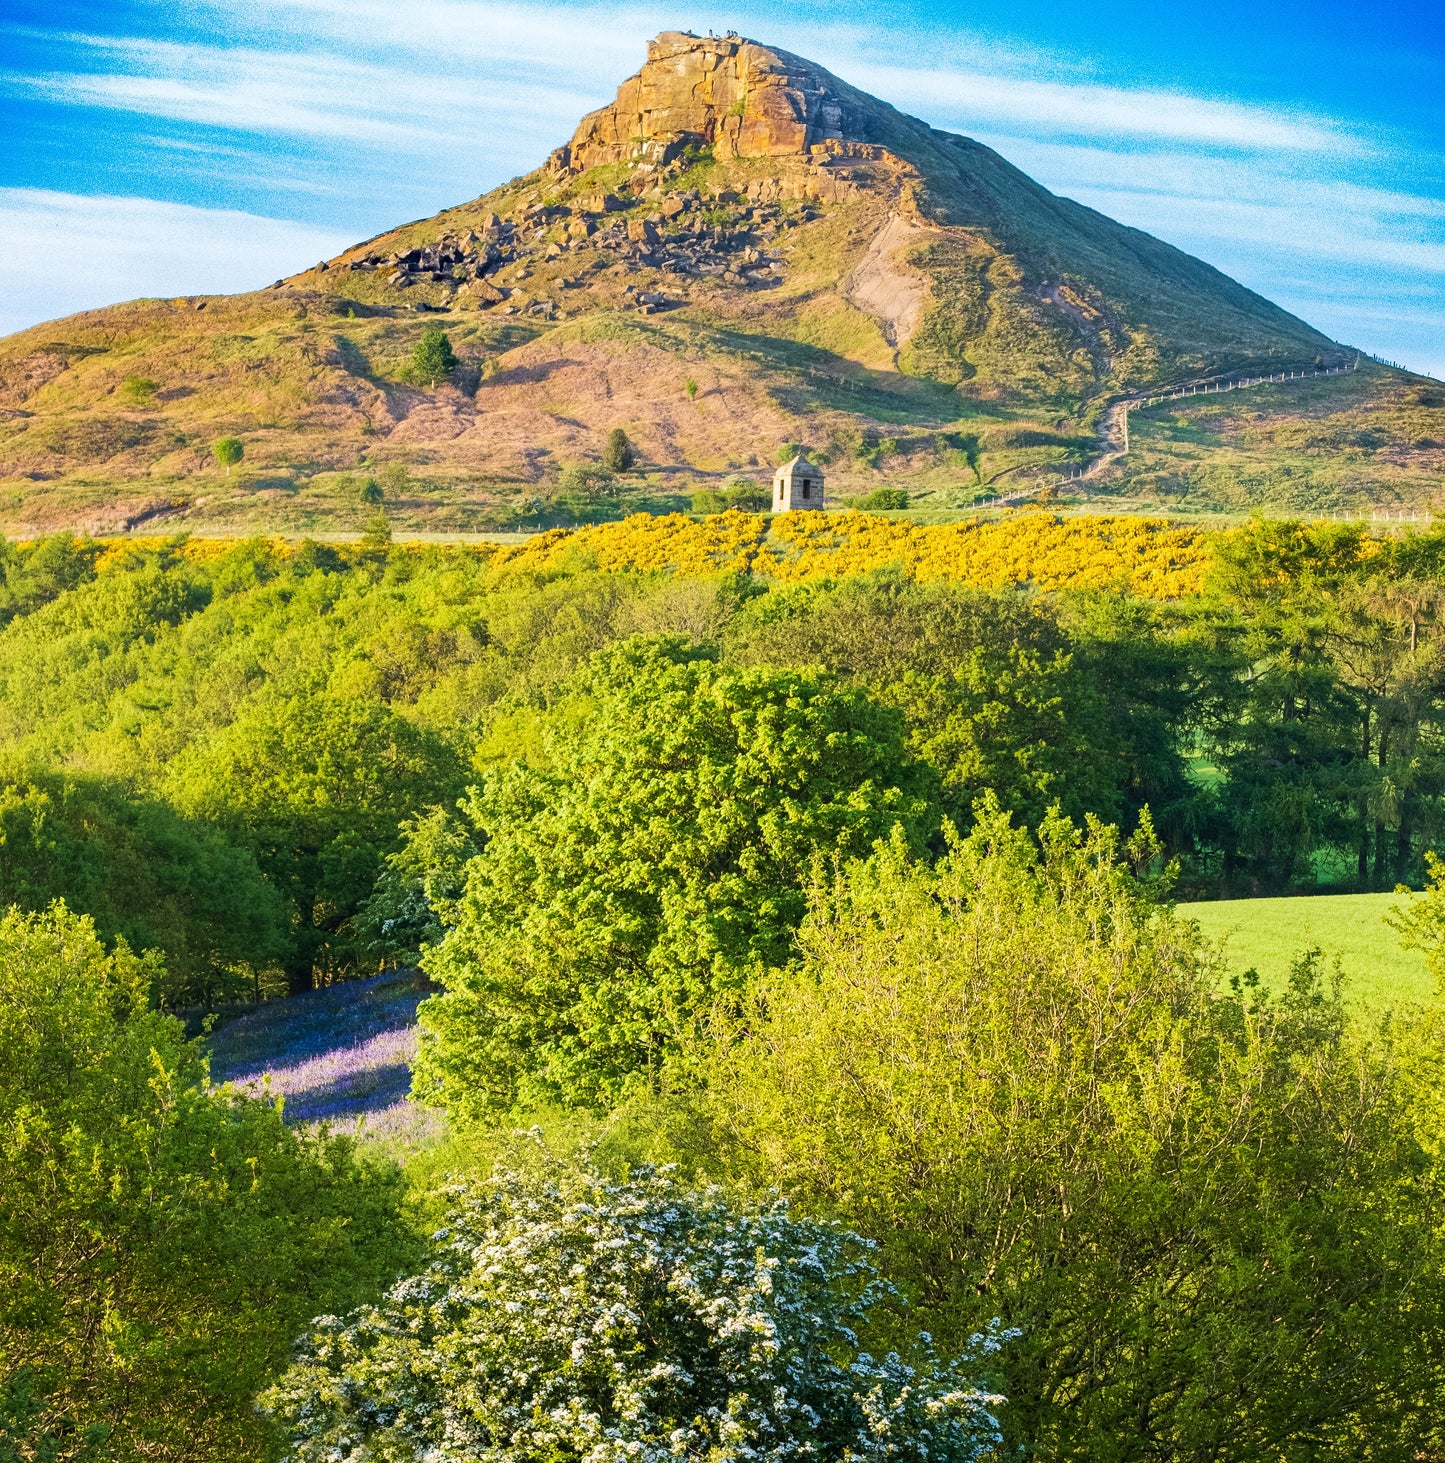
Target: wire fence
[[1216, 388]]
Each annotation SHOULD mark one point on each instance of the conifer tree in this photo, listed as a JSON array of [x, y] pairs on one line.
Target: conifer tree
[[619, 453], [432, 358]]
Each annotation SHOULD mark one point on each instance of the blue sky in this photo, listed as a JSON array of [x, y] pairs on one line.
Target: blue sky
[[190, 146]]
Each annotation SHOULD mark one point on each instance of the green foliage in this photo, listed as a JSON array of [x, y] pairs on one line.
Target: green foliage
[[883, 500], [646, 863], [35, 575], [690, 386], [432, 358], [682, 1324], [619, 454], [587, 480], [1331, 736], [376, 534], [1212, 1220], [369, 493], [395, 480], [316, 787], [138, 390], [740, 493], [995, 695], [30, 1432], [160, 1244], [146, 875], [416, 893], [1420, 921], [228, 451]]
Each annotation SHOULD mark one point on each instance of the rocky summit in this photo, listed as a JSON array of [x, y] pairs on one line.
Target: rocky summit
[[740, 255], [738, 98]]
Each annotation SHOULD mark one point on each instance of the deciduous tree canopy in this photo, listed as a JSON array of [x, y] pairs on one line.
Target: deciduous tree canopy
[[651, 858]]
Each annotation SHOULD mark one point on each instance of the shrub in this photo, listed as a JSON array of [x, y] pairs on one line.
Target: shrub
[[883, 500], [228, 451], [432, 357], [627, 1323], [618, 455], [1209, 1215], [741, 493], [160, 1244], [138, 390]]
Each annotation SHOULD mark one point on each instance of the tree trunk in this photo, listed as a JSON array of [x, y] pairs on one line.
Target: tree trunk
[[1381, 856], [1403, 842], [301, 968]]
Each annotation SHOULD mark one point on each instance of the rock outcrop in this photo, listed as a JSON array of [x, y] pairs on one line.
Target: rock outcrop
[[731, 94]]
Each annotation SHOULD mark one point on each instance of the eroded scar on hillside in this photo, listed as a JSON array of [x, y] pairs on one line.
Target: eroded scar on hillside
[[885, 285]]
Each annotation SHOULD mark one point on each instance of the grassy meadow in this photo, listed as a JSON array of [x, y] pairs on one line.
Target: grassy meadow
[[1270, 935]]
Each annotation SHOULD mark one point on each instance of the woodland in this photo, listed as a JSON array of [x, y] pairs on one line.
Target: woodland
[[827, 1071]]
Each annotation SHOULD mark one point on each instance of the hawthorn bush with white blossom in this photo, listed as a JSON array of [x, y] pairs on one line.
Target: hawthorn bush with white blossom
[[570, 1318]]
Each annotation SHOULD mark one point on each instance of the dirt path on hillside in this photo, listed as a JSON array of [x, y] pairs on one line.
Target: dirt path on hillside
[[890, 291]]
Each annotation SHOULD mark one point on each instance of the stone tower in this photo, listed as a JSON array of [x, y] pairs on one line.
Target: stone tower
[[797, 486]]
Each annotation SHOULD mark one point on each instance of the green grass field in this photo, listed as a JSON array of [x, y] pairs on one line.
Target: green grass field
[[1270, 934]]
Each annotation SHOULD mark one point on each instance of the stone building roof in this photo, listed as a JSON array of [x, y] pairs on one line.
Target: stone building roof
[[799, 466]]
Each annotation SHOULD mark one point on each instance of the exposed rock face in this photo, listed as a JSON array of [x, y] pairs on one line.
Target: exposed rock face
[[743, 99]]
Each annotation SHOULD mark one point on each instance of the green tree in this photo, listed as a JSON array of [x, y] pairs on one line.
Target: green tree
[[645, 864], [49, 566], [160, 1243], [618, 455], [228, 451], [417, 891], [144, 874], [1211, 1216], [587, 480], [432, 357], [138, 390], [317, 786], [1334, 743], [992, 690], [576, 1305], [369, 493], [376, 534]]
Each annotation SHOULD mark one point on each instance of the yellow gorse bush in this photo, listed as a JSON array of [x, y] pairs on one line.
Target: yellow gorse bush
[[1146, 556], [724, 541]]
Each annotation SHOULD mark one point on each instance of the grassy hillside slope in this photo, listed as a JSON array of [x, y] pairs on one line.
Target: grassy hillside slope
[[903, 302]]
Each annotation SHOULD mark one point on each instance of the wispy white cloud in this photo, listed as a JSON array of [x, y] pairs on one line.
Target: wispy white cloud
[[307, 93], [65, 252], [975, 98], [1238, 200], [1292, 203]]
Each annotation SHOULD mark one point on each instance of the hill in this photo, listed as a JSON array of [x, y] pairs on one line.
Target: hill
[[740, 252]]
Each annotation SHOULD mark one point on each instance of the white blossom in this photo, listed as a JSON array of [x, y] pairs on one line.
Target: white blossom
[[576, 1319]]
